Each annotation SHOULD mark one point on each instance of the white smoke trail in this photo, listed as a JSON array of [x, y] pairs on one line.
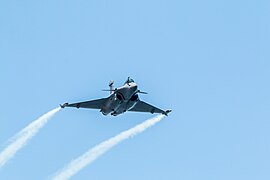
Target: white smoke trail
[[92, 154], [21, 139]]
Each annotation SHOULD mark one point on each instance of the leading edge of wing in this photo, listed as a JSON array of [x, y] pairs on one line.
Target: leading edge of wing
[[92, 104]]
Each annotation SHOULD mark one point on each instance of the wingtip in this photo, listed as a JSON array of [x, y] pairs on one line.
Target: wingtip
[[167, 112], [63, 105]]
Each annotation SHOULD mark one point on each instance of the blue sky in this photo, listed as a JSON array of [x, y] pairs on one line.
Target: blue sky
[[206, 60]]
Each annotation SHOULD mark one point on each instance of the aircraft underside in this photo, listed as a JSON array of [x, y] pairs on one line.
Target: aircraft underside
[[122, 99], [114, 106]]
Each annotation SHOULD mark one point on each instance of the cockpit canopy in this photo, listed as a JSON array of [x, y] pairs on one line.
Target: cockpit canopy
[[129, 80]]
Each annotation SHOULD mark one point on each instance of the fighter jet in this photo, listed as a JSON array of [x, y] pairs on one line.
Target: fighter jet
[[122, 99]]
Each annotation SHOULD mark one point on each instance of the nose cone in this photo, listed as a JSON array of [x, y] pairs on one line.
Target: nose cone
[[128, 90], [132, 89]]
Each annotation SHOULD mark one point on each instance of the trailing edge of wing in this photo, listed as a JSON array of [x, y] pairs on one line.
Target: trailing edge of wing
[[93, 104], [142, 106]]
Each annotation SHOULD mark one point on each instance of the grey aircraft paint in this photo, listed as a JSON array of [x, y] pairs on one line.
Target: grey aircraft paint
[[122, 99]]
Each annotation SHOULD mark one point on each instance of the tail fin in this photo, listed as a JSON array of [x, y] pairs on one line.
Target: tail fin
[[111, 86]]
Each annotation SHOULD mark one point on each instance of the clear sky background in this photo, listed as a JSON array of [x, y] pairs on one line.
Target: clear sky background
[[209, 61]]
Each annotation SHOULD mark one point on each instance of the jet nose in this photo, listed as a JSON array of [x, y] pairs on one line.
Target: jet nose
[[132, 89]]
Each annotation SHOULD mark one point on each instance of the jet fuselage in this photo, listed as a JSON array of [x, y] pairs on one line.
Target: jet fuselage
[[121, 100]]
